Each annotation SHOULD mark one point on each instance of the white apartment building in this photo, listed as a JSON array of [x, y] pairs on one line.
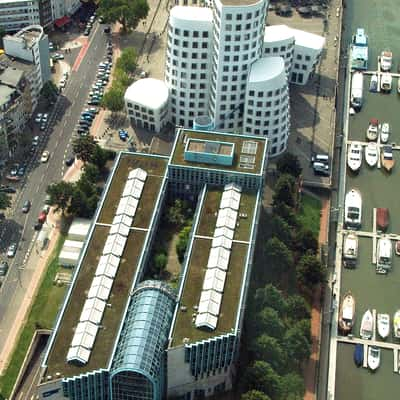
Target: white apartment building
[[267, 108], [16, 14], [188, 63], [31, 45]]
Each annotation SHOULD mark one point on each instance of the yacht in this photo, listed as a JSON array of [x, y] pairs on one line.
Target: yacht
[[356, 95], [372, 131], [386, 60], [367, 325], [354, 156], [352, 209], [387, 159], [358, 355], [346, 314], [382, 218], [371, 154], [373, 84], [350, 250], [384, 252], [374, 357], [396, 324], [386, 82], [385, 130], [383, 323], [359, 50]]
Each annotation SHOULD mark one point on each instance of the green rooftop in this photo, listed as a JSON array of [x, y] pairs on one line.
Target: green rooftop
[[184, 328], [247, 157], [103, 346]]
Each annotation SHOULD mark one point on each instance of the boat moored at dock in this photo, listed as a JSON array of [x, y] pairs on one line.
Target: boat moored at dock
[[350, 250], [358, 355], [346, 314], [386, 60], [382, 218], [373, 84], [367, 325], [371, 154], [384, 251], [387, 159], [354, 156], [372, 130], [386, 82], [383, 325], [374, 357], [359, 50], [356, 96], [385, 131], [353, 209], [396, 324]]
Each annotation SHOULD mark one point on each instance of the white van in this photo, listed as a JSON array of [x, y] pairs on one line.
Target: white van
[[321, 158]]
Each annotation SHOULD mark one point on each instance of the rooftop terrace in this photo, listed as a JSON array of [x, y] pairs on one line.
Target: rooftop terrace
[[247, 157], [103, 346], [184, 327]]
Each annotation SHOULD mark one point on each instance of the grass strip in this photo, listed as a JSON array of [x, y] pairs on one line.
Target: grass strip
[[310, 213]]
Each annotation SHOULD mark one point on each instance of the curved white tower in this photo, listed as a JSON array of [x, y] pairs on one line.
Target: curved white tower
[[237, 42], [188, 63], [267, 109]]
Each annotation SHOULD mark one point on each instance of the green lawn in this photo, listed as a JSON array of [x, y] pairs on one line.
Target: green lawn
[[41, 316], [309, 214]]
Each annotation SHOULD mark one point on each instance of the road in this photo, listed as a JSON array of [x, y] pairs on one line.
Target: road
[[57, 139]]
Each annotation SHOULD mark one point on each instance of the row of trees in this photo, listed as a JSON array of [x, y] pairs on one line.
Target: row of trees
[[80, 198], [278, 321]]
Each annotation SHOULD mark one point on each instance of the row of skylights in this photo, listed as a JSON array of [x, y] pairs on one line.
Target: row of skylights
[[107, 268], [218, 260]]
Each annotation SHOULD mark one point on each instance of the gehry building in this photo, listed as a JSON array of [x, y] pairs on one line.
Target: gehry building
[[120, 336]]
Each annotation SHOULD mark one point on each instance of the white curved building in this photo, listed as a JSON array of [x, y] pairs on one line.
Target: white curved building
[[279, 42], [146, 102], [188, 65], [267, 108], [237, 43]]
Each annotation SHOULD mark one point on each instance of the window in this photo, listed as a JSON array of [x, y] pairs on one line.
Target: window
[[195, 45], [300, 78], [267, 50], [299, 57], [238, 17], [283, 48], [227, 38], [196, 34], [177, 31], [304, 67], [275, 49], [204, 45], [226, 58], [227, 48], [205, 34], [184, 54], [229, 17]]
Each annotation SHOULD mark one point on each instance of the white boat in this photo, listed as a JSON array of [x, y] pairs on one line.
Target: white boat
[[350, 250], [346, 314], [398, 85], [367, 325], [352, 111], [356, 95], [386, 60], [371, 154], [374, 357], [352, 209], [385, 130], [383, 325], [396, 324], [372, 130], [387, 159], [386, 82], [373, 84], [384, 252], [354, 156]]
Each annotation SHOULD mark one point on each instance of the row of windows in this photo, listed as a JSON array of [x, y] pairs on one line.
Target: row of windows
[[267, 114], [191, 95], [186, 33], [267, 104], [186, 44], [240, 17], [185, 75], [185, 54], [139, 115], [252, 93], [142, 109], [259, 122], [303, 67], [267, 132], [275, 50], [237, 47], [191, 104]]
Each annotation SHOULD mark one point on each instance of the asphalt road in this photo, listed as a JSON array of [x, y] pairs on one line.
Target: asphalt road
[[57, 140]]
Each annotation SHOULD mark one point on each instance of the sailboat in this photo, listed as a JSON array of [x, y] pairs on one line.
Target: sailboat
[[367, 325], [354, 156], [383, 324], [374, 357]]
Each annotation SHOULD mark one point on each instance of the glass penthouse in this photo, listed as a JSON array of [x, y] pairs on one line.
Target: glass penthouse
[[119, 337]]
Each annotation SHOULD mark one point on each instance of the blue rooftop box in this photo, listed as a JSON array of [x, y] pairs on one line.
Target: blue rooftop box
[[209, 152]]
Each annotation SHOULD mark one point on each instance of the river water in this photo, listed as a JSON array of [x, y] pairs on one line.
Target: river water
[[380, 19]]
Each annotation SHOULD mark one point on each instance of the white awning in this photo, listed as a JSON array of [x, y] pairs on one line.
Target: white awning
[[138, 173], [224, 231], [85, 335], [100, 288], [219, 258], [227, 217], [210, 302], [214, 280], [233, 186], [127, 206], [206, 320], [93, 310], [115, 245], [79, 354], [108, 266], [222, 241]]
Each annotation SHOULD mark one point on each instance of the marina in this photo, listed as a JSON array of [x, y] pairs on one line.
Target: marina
[[378, 189]]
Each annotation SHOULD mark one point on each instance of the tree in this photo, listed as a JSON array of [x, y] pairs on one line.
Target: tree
[[297, 308], [49, 91], [160, 262], [284, 191], [254, 395], [262, 377], [289, 164], [91, 172], [5, 201], [60, 195], [278, 256], [113, 99], [306, 241], [78, 203], [292, 386], [269, 322], [122, 79], [286, 213], [176, 214], [297, 346], [270, 296], [128, 60], [86, 186], [304, 326], [84, 147], [267, 348], [99, 157], [280, 229], [310, 271], [181, 245], [126, 12]]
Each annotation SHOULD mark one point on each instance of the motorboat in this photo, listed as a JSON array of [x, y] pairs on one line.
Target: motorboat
[[386, 82], [359, 50], [387, 159], [385, 130], [354, 156], [371, 154], [346, 314], [374, 357], [372, 131], [384, 251], [396, 324], [356, 94], [358, 355], [352, 111], [397, 248], [373, 84], [398, 86], [386, 60], [367, 325], [353, 209], [382, 218], [383, 325], [350, 250]]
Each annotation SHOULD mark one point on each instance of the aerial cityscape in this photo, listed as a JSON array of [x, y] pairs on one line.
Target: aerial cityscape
[[196, 200]]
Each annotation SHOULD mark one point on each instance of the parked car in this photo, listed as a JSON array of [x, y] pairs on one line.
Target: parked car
[[12, 249], [37, 226], [69, 161], [45, 156], [43, 127], [47, 199], [42, 217], [87, 32], [38, 118], [3, 268], [21, 171], [26, 206], [62, 83], [58, 56], [7, 189], [14, 170], [46, 209], [107, 29], [93, 102], [35, 141]]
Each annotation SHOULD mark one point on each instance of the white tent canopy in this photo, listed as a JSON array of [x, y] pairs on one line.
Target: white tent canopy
[[85, 335], [227, 217], [222, 241], [224, 231], [210, 302], [127, 206], [108, 266], [233, 186], [219, 258], [115, 245], [138, 173], [100, 288], [214, 280], [206, 320], [133, 188], [230, 199], [78, 353], [123, 219], [93, 310]]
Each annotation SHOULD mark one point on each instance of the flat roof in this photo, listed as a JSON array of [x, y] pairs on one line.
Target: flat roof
[[149, 92], [183, 135], [268, 69], [308, 40], [239, 3], [274, 33], [103, 347], [184, 330]]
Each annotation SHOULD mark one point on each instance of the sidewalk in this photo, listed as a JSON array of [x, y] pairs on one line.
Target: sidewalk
[[37, 264]]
